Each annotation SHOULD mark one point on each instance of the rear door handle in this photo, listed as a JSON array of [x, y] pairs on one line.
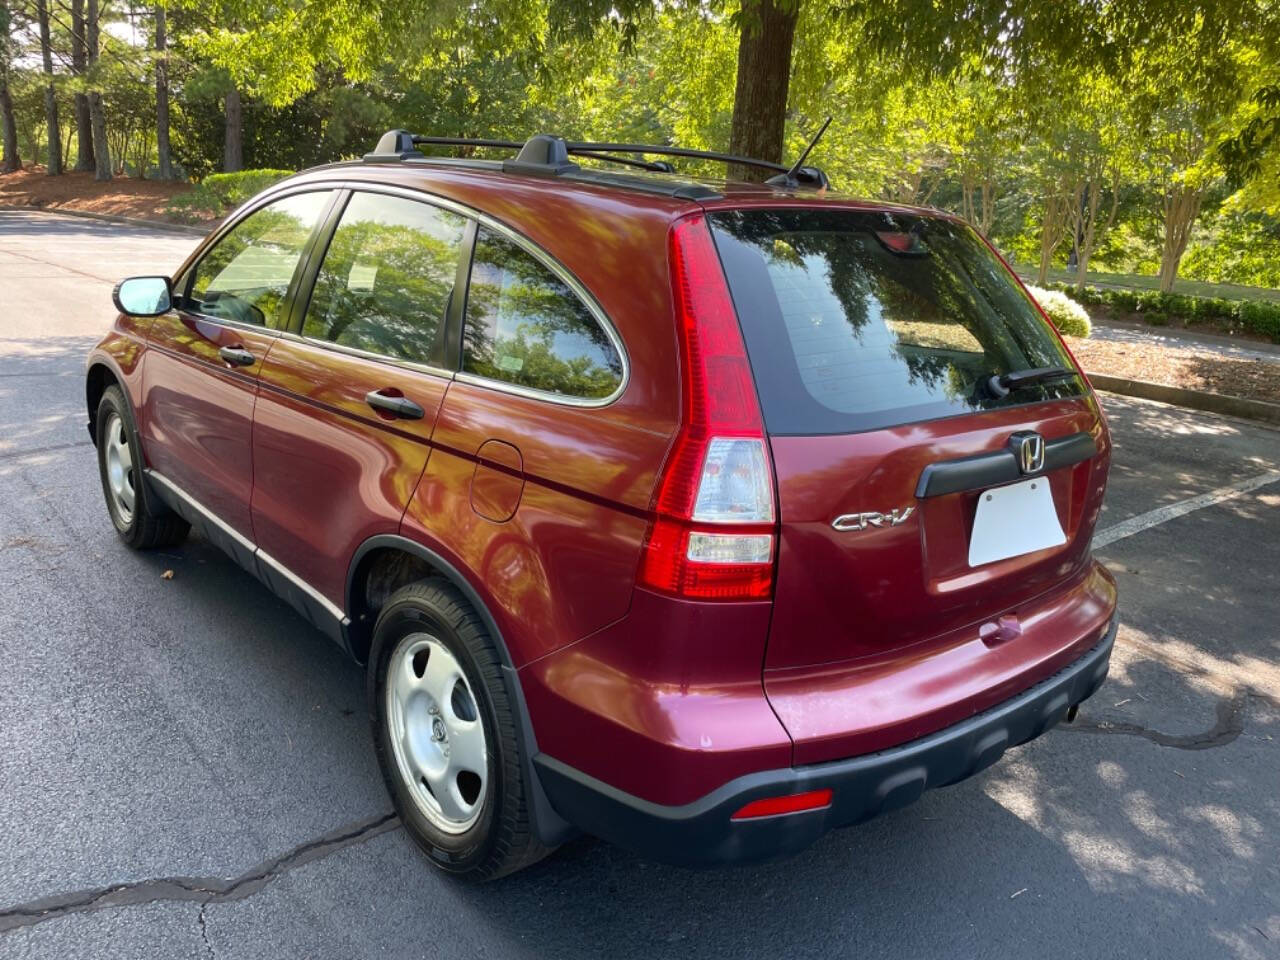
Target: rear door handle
[[237, 356], [401, 407]]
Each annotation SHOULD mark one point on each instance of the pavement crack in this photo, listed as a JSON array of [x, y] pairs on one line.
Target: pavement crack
[[204, 930], [36, 451], [1229, 726], [202, 890]]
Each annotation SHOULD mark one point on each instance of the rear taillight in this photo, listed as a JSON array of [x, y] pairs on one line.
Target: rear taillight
[[713, 537]]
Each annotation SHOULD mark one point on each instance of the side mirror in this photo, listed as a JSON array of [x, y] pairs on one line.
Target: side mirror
[[143, 296]]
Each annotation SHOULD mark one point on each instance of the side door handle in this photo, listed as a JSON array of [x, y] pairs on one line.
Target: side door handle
[[237, 356], [398, 406]]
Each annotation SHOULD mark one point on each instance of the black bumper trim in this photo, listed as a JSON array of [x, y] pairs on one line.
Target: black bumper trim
[[702, 833]]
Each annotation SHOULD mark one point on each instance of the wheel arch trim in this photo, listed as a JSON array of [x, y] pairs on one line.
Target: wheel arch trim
[[551, 828], [101, 360]]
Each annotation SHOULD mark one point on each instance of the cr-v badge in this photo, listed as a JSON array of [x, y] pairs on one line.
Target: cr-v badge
[[860, 521]]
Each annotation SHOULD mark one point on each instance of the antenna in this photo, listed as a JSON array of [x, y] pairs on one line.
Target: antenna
[[795, 167]]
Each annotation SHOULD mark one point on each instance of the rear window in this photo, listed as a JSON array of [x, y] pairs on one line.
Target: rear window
[[858, 321]]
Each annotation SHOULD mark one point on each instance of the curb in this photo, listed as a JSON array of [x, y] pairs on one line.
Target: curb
[[1195, 399], [112, 218]]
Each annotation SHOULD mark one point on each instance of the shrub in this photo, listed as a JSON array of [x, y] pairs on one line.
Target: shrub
[[1068, 316], [1158, 309], [1262, 318], [218, 193]]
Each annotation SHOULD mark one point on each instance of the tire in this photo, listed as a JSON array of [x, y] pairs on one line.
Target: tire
[[435, 683], [140, 518]]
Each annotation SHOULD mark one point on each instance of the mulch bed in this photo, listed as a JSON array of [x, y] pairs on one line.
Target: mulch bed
[[121, 196], [1198, 369]]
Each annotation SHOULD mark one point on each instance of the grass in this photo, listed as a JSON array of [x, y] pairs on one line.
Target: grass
[[1133, 281]]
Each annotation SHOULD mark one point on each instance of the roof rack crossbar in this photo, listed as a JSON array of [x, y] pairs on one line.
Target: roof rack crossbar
[[547, 155], [586, 148]]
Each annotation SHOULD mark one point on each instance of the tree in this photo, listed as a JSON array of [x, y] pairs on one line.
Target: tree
[[768, 29], [54, 165], [11, 160], [97, 116], [233, 149], [163, 157], [79, 64]]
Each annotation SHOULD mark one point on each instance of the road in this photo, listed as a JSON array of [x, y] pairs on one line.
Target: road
[[186, 771]]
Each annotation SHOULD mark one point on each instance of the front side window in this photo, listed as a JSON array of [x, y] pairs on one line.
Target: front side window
[[387, 279], [246, 276], [525, 326]]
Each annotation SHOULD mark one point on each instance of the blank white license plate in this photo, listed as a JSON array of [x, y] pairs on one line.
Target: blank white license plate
[[1014, 520]]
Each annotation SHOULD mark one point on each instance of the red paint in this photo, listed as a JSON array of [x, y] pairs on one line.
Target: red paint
[[197, 411], [329, 470]]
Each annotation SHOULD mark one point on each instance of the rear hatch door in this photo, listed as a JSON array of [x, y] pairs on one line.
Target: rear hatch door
[[874, 337]]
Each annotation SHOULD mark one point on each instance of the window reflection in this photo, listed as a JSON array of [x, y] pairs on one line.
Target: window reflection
[[387, 278], [526, 326], [246, 276]]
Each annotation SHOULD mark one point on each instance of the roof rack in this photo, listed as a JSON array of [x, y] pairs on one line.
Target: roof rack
[[547, 155]]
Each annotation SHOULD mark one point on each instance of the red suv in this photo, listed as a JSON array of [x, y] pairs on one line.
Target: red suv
[[701, 516]]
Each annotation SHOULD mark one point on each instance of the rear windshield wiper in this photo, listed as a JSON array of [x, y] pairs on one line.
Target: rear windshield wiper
[[1004, 384]]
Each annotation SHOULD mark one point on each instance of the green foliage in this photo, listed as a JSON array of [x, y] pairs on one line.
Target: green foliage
[[1255, 316], [220, 193], [1068, 316]]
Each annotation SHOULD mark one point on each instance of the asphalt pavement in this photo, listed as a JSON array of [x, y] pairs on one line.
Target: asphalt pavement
[[186, 767]]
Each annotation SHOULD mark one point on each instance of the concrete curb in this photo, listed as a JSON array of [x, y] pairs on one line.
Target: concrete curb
[[1195, 399], [112, 218]]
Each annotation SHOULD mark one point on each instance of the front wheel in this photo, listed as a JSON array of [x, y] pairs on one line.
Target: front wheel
[[445, 731], [140, 519]]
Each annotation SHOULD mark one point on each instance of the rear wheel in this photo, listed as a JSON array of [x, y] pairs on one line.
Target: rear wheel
[[140, 519], [445, 732]]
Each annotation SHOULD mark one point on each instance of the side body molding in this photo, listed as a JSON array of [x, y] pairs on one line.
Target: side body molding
[[314, 606]]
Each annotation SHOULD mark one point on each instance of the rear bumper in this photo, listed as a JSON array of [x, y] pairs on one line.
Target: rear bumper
[[702, 832]]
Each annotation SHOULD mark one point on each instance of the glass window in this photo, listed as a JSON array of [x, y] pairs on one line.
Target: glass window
[[246, 275], [387, 278], [857, 321], [526, 326]]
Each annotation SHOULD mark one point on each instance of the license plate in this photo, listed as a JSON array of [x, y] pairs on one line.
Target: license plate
[[1014, 520]]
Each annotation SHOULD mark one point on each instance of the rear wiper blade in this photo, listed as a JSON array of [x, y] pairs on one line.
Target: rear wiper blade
[[1003, 384]]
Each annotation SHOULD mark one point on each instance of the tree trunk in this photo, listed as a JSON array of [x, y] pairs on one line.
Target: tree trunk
[[233, 154], [101, 149], [54, 165], [12, 161], [764, 75], [162, 98], [79, 61], [97, 116], [1181, 207], [1051, 231]]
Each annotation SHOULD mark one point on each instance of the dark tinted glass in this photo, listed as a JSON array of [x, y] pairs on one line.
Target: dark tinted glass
[[387, 278], [856, 321], [246, 275], [526, 326]]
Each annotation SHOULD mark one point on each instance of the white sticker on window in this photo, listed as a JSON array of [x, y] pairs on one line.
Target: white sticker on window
[[362, 276], [509, 363]]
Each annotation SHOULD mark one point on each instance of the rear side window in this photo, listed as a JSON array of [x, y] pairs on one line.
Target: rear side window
[[527, 327], [246, 276], [858, 321], [387, 278]]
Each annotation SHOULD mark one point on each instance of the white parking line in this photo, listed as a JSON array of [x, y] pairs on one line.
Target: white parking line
[[1144, 521]]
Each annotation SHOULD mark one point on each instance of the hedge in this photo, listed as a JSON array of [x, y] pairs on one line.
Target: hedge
[[1257, 316], [219, 193]]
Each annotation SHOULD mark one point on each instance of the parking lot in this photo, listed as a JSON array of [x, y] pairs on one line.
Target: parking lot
[[186, 767]]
